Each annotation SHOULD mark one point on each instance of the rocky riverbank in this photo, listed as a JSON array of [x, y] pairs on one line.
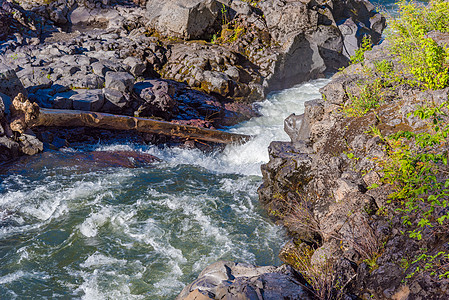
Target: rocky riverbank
[[362, 187], [201, 63], [193, 62], [329, 189]]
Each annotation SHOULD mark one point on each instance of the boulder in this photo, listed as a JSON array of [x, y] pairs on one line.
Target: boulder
[[120, 81], [88, 100], [356, 19], [29, 144], [99, 68], [187, 19], [8, 148], [230, 280], [292, 125], [158, 97], [82, 80], [299, 127], [197, 295], [287, 19], [313, 38], [300, 60], [115, 101], [349, 31], [83, 16], [5, 102], [136, 66], [10, 84], [63, 100], [207, 67]]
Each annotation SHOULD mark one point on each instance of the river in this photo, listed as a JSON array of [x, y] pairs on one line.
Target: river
[[71, 229]]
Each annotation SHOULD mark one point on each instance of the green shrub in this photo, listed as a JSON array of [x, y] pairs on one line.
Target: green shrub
[[422, 57], [359, 54], [415, 164], [416, 167], [416, 160], [384, 68], [371, 96]]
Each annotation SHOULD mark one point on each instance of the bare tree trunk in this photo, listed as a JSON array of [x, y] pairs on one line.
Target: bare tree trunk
[[72, 118]]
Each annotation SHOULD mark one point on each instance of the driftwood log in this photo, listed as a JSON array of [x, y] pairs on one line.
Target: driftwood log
[[27, 115]]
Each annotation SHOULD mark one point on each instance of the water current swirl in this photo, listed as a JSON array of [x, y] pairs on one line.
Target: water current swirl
[[70, 229]]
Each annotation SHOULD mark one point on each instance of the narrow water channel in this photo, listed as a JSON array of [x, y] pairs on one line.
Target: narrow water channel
[[70, 230]]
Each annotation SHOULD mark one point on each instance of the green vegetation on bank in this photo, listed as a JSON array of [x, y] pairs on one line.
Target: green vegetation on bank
[[415, 39], [415, 162], [410, 38], [359, 53]]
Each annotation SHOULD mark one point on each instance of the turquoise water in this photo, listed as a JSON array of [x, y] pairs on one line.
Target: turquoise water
[[70, 228]]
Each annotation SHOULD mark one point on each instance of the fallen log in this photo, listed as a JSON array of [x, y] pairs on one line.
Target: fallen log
[[27, 115]]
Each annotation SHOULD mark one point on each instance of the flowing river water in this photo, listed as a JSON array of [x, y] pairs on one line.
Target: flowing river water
[[69, 229]]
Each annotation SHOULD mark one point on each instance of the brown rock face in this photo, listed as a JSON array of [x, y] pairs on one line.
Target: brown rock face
[[278, 43], [326, 188]]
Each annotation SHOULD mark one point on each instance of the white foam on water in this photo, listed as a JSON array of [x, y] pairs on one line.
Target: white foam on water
[[170, 283], [243, 159], [53, 198], [91, 224], [191, 207], [178, 232], [18, 275], [13, 277], [106, 277], [24, 255], [269, 127], [97, 259], [96, 286]]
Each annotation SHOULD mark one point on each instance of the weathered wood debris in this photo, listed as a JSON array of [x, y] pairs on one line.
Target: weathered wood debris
[[26, 114]]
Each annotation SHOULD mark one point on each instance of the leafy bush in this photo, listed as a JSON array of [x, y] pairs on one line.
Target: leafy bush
[[371, 96], [422, 56], [358, 56], [414, 166]]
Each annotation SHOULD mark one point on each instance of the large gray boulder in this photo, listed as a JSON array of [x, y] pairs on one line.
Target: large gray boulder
[[188, 19], [286, 19], [84, 15], [215, 70], [290, 24], [314, 37], [356, 19], [10, 84], [115, 101], [158, 98], [120, 81], [299, 61], [135, 65], [88, 100], [5, 102], [349, 31], [230, 280]]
